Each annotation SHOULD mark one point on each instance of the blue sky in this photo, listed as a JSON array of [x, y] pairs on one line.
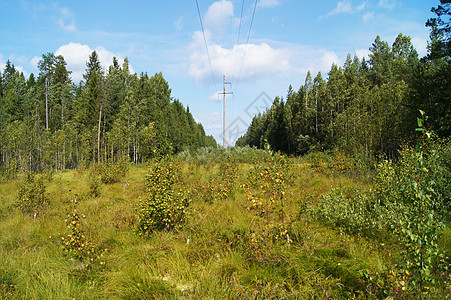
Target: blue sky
[[288, 37]]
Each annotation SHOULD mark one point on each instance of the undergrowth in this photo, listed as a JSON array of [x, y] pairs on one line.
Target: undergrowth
[[230, 224]]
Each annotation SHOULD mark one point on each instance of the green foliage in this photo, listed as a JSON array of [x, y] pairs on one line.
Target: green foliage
[[206, 156], [361, 108], [32, 198], [76, 243], [265, 191], [94, 185], [164, 205], [353, 211], [341, 163], [223, 250], [222, 186], [112, 172], [420, 230], [8, 172], [407, 200], [50, 123], [228, 174], [7, 283]]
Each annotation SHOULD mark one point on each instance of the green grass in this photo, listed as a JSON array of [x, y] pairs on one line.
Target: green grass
[[222, 252]]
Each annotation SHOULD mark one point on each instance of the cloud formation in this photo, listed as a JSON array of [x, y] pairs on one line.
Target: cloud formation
[[244, 61], [256, 61], [268, 3], [2, 62], [66, 21], [76, 55], [14, 59], [219, 14], [387, 3], [368, 16], [345, 7]]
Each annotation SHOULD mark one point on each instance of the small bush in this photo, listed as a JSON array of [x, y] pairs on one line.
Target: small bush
[[221, 186], [94, 185], [112, 172], [9, 171], [164, 205], [32, 198], [340, 162], [228, 173], [76, 243], [410, 200], [354, 212]]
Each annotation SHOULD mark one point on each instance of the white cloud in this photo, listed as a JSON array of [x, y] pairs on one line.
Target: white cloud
[[66, 21], [13, 59], [368, 16], [363, 53], [218, 15], [210, 121], [2, 63], [420, 45], [22, 60], [76, 55], [360, 7], [387, 3], [268, 3], [259, 60], [178, 24], [34, 61], [345, 7], [327, 59]]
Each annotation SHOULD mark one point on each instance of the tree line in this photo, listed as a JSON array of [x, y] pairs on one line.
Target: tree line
[[366, 106], [50, 122]]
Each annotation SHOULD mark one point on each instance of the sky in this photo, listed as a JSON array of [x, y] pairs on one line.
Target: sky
[[261, 46]]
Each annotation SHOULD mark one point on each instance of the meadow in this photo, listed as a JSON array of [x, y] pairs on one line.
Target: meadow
[[228, 224]]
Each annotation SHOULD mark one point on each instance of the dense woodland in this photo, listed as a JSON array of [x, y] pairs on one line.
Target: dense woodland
[[49, 122], [366, 107]]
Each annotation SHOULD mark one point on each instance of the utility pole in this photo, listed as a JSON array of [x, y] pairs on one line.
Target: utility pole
[[46, 105], [224, 93]]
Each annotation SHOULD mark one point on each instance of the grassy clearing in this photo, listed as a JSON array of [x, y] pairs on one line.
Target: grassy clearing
[[227, 249]]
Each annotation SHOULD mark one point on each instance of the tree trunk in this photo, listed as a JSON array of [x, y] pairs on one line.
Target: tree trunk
[[98, 131]]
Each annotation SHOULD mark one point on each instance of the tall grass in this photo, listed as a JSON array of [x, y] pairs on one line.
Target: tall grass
[[222, 251]]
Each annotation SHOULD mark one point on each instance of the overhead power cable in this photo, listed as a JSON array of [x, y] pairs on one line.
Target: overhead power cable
[[206, 45], [238, 41], [247, 42]]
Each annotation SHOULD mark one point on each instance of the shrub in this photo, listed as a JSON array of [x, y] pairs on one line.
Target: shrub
[[164, 205], [94, 185], [228, 173], [411, 197], [356, 212], [9, 171], [32, 198], [340, 162], [265, 191], [112, 172], [76, 243]]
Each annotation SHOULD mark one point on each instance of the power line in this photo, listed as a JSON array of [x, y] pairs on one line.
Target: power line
[[222, 36], [247, 42], [238, 40], [206, 45]]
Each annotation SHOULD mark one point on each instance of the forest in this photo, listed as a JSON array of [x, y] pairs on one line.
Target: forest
[[49, 122], [110, 190], [367, 108]]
